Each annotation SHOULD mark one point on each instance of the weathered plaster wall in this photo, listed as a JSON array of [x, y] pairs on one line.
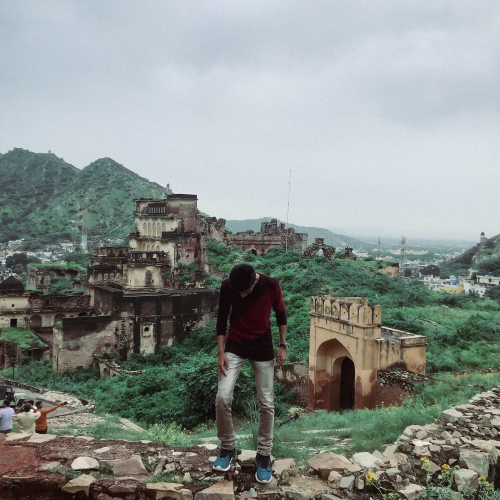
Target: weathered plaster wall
[[347, 349]]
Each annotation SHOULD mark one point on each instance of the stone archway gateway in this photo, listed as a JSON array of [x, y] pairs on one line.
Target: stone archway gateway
[[348, 347]]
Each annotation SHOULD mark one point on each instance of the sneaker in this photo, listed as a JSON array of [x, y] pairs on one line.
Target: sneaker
[[263, 465], [223, 461]]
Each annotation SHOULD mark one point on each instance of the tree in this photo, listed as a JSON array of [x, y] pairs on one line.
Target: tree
[[59, 285], [17, 258]]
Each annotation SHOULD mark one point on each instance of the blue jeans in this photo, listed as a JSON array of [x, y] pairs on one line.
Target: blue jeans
[[264, 378]]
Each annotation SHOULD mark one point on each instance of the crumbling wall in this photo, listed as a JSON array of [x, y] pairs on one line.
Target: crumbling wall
[[271, 235], [78, 339], [320, 247]]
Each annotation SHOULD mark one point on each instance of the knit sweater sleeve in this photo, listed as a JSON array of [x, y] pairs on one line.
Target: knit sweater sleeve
[[279, 307]]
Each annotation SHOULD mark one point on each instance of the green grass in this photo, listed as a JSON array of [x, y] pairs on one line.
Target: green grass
[[20, 336], [60, 265], [367, 430]]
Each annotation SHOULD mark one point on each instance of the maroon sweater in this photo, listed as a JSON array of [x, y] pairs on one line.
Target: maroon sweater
[[249, 333]]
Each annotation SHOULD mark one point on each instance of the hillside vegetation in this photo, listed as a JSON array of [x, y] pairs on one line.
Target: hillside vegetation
[[462, 333], [44, 198]]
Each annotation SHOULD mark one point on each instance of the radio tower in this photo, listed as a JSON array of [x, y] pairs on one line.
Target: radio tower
[[403, 252], [379, 251]]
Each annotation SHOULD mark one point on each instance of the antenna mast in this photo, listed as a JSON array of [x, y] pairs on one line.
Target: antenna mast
[[379, 251], [288, 210], [403, 252]]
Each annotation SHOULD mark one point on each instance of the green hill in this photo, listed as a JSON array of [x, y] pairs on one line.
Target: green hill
[[42, 197], [337, 240]]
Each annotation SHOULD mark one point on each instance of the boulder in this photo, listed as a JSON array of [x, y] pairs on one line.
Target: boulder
[[80, 483], [246, 455], [451, 416], [487, 447], [50, 466], [390, 450], [102, 450], [304, 488], [334, 477], [223, 490], [466, 479], [324, 463], [132, 466], [431, 468], [476, 461], [14, 436], [282, 465], [173, 491], [85, 463], [347, 483], [364, 459], [400, 459], [159, 468], [41, 438], [411, 492]]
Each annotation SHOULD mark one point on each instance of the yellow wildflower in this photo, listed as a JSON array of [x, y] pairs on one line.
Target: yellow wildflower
[[424, 459], [369, 477], [482, 479], [446, 466]]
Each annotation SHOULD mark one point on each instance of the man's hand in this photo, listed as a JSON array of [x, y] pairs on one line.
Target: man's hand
[[281, 356], [222, 365], [63, 403]]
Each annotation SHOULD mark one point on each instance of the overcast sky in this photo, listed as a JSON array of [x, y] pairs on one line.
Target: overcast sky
[[387, 112]]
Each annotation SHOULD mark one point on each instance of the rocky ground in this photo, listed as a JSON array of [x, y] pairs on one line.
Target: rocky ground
[[460, 450]]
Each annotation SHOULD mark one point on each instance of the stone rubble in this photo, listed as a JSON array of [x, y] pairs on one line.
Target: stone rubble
[[466, 436]]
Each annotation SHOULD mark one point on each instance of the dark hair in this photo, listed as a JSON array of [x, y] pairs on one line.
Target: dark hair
[[31, 402], [6, 402], [39, 403], [241, 277], [27, 407]]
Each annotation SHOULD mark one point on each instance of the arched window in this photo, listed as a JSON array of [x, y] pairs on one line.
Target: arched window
[[144, 246], [144, 229], [149, 228], [158, 248], [153, 229], [158, 230], [105, 276], [99, 278], [163, 227], [148, 248]]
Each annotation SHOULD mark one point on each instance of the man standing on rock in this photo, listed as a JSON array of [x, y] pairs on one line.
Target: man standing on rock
[[41, 424], [6, 413], [247, 298], [26, 418]]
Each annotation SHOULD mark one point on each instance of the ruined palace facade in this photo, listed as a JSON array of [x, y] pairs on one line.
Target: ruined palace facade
[[130, 322], [349, 349], [271, 235], [169, 232]]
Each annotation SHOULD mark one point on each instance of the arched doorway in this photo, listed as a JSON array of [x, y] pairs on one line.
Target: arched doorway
[[335, 377], [347, 372]]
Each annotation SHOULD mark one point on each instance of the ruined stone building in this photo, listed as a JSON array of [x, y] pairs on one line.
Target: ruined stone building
[[349, 352], [36, 311], [14, 303], [127, 322], [319, 248], [169, 232], [271, 235], [14, 313], [39, 276]]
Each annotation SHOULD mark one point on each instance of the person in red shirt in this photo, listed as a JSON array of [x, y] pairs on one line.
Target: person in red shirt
[[247, 299], [41, 424]]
